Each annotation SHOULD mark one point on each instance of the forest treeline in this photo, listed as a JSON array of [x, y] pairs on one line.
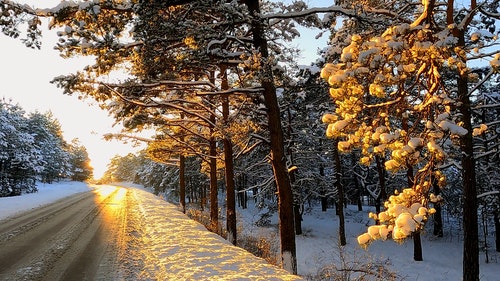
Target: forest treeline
[[32, 148], [408, 92]]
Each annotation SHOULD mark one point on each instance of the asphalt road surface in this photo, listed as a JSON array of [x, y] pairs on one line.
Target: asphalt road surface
[[82, 237]]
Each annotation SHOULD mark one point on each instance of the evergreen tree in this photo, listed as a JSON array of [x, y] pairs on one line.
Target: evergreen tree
[[50, 141], [81, 170]]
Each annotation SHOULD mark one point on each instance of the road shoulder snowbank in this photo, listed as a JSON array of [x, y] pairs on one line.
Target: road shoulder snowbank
[[182, 249]]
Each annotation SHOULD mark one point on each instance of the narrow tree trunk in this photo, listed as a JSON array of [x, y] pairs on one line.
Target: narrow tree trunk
[[214, 204], [229, 169], [324, 203], [438, 215], [417, 247], [496, 219], [357, 186], [340, 193], [241, 197], [296, 204], [471, 246], [382, 196], [212, 151], [417, 241], [182, 183], [278, 160], [324, 199], [298, 219]]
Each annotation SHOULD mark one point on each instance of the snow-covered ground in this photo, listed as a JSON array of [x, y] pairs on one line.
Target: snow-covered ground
[[160, 243], [46, 194], [317, 249]]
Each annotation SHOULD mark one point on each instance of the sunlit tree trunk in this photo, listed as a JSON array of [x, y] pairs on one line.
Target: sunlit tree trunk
[[214, 203], [229, 168], [278, 159]]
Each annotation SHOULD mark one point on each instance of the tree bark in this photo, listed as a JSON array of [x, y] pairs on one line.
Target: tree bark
[[182, 183], [229, 168], [417, 241], [214, 204], [496, 219], [278, 160], [212, 151], [471, 246], [437, 216], [241, 191], [382, 196], [296, 204], [324, 199], [340, 193], [417, 247], [357, 186]]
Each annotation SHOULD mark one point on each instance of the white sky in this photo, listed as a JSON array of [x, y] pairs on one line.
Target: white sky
[[25, 75]]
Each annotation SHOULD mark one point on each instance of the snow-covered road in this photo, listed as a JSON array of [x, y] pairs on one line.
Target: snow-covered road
[[120, 233]]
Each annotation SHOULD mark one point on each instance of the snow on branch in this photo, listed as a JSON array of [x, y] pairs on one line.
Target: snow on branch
[[71, 5], [494, 192], [153, 103], [335, 9], [121, 136], [255, 90]]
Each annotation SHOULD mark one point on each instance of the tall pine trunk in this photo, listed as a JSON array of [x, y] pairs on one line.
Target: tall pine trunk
[[278, 158], [214, 204], [470, 217], [228, 168]]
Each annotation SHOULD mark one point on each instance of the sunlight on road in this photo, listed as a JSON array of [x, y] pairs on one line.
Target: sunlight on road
[[113, 200], [103, 191]]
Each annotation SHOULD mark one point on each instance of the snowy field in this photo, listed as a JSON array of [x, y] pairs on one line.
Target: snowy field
[[317, 249]]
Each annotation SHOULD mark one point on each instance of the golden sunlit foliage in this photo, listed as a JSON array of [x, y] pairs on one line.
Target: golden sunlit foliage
[[391, 100]]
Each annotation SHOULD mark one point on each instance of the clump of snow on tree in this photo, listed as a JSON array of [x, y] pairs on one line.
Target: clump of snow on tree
[[405, 214]]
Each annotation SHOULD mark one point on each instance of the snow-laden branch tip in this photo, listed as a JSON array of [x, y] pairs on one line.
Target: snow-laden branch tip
[[256, 90], [126, 136], [335, 9], [494, 192]]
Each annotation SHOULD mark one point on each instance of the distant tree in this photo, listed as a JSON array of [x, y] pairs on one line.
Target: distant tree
[[53, 148], [81, 170]]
